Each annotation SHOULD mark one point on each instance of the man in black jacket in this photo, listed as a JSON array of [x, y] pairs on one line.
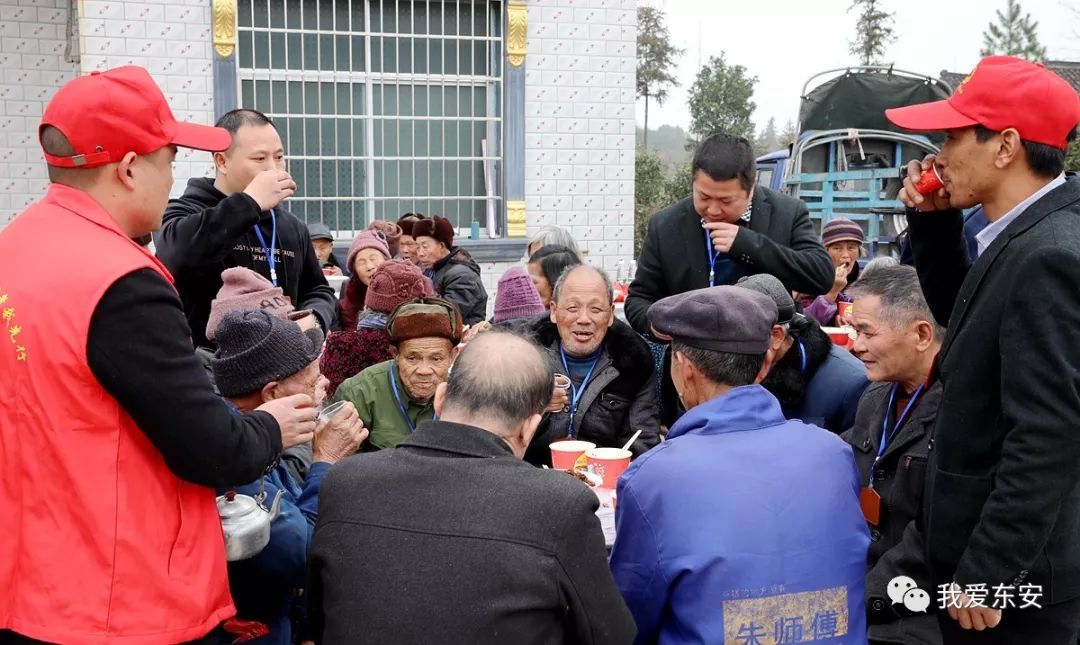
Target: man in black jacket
[[453, 272], [236, 219], [898, 340], [728, 228], [613, 385], [457, 540], [1003, 489]]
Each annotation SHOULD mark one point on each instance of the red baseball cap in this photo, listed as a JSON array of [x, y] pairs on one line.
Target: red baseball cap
[[108, 114], [1002, 92]]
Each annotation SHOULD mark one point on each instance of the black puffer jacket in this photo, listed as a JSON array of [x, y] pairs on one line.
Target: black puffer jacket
[[457, 278], [618, 401]]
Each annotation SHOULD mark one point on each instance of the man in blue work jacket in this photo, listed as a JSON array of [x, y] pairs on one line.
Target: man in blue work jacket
[[742, 527]]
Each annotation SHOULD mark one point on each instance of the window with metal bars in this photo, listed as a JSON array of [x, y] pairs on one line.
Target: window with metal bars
[[384, 106]]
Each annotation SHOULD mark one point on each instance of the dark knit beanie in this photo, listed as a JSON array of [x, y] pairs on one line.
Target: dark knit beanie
[[516, 297], [395, 282], [841, 229], [255, 348], [437, 227], [392, 233]]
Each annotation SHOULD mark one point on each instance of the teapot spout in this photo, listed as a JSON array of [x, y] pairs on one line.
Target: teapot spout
[[276, 506]]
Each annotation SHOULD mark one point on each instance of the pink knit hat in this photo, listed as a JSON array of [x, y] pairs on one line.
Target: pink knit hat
[[368, 239], [395, 282], [516, 297], [245, 290]]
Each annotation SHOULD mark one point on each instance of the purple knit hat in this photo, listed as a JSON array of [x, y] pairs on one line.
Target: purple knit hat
[[516, 297], [841, 229], [245, 290], [368, 239]]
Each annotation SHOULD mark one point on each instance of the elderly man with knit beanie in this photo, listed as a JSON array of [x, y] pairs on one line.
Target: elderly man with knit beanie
[[455, 275], [843, 239], [366, 253], [261, 358], [395, 396], [349, 352]]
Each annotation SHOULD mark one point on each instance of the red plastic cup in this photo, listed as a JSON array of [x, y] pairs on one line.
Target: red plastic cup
[[845, 309], [929, 182], [841, 336], [567, 455], [609, 463]]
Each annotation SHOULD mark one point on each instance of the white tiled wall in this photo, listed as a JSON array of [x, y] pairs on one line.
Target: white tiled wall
[[579, 102], [33, 37], [171, 38], [579, 123]]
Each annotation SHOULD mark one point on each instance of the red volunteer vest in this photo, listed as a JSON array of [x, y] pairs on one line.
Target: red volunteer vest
[[101, 541]]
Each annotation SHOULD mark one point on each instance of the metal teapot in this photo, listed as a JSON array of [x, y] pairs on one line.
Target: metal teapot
[[246, 522]]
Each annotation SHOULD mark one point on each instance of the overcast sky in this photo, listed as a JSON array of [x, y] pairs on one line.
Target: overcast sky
[[784, 42]]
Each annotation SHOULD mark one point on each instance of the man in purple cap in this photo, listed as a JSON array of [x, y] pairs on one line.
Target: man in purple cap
[[1002, 517], [742, 527]]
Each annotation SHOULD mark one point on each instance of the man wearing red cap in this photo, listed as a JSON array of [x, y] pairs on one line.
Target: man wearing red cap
[[111, 438], [1002, 517]]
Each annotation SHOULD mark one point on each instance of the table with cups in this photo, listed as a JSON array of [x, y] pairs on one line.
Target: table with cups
[[608, 464]]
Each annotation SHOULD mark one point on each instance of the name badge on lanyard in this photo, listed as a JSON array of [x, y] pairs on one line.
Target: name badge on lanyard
[[268, 251], [869, 499], [576, 391]]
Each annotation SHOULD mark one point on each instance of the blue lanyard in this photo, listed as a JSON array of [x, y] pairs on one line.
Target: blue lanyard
[[269, 251], [397, 398], [886, 436], [575, 392], [802, 357], [712, 253]]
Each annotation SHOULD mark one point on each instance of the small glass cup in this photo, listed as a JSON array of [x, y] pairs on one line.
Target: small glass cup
[[328, 411], [562, 382]]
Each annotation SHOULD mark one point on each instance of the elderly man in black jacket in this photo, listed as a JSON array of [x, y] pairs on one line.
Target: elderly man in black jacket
[[236, 220], [1003, 505], [898, 340], [456, 540], [728, 228], [612, 390]]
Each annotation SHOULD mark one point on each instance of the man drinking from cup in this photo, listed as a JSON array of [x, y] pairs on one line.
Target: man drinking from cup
[[1003, 484], [741, 524], [612, 388], [261, 358]]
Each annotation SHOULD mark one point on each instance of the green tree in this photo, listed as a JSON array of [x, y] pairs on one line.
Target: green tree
[[649, 192], [873, 32], [768, 141], [720, 100], [656, 59], [1072, 158], [787, 137], [1013, 35]]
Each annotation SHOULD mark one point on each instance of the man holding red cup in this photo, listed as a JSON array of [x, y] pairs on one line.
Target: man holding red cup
[[1003, 490]]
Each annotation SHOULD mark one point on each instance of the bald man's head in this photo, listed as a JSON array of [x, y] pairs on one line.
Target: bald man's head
[[499, 376]]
